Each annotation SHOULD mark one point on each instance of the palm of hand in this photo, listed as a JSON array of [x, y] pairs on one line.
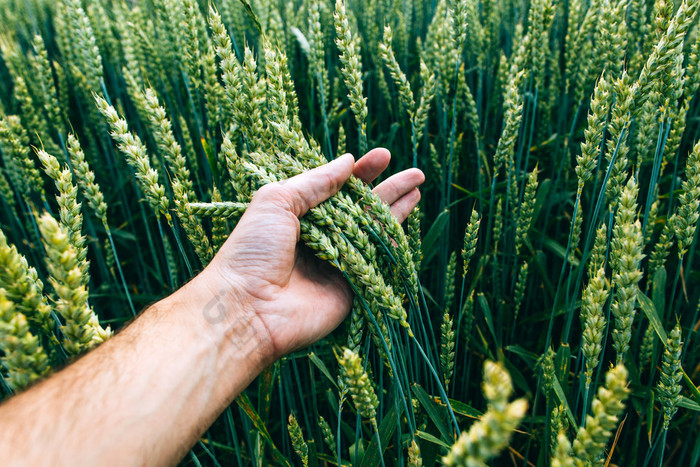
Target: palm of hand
[[297, 297]]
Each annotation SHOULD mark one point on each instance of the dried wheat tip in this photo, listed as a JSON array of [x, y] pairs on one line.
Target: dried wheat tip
[[490, 434], [387, 53], [685, 220], [359, 384], [414, 457], [86, 179], [562, 453], [600, 247], [297, 437], [135, 152], [328, 436], [352, 69], [626, 257], [42, 70], [67, 281], [14, 145], [525, 211], [447, 348], [471, 236], [669, 388], [22, 286], [24, 359], [608, 405], [593, 320]]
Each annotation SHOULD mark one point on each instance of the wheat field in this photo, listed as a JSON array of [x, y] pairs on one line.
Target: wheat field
[[538, 307]]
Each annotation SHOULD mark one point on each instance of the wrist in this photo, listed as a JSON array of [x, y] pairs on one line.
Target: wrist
[[227, 314]]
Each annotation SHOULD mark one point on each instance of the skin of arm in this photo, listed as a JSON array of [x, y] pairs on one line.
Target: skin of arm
[[146, 395]]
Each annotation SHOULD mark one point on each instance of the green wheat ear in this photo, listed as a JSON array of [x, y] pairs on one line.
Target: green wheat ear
[[490, 434], [298, 442], [24, 359], [66, 278], [328, 436], [607, 407], [669, 388], [359, 384]]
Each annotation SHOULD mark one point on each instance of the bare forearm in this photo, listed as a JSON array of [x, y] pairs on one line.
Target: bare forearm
[[178, 365]]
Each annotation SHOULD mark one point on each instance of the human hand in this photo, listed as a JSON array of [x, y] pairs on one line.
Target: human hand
[[292, 297]]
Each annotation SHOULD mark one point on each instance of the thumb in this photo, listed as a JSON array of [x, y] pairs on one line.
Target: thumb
[[302, 192]]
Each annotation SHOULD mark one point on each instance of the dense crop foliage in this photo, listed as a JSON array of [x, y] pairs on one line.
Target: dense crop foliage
[[552, 255]]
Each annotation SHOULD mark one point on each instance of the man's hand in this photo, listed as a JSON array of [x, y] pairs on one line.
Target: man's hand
[[297, 298], [147, 394]]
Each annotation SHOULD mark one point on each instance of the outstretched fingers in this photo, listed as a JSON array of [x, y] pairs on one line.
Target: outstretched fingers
[[304, 191]]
